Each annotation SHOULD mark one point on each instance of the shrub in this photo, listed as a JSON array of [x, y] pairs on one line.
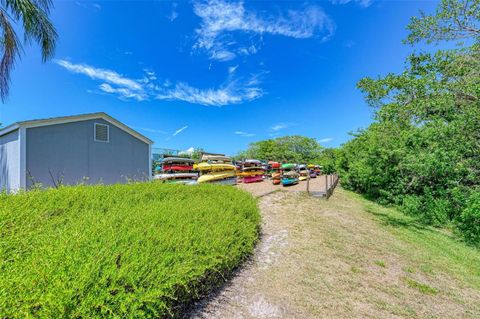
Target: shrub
[[138, 250], [469, 221], [428, 209]]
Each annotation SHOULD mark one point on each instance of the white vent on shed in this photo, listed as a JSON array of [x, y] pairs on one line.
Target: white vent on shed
[[102, 132]]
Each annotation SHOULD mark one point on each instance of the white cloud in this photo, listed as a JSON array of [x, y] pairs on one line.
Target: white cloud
[[326, 140], [180, 130], [279, 126], [220, 19], [362, 3], [149, 130], [150, 75], [233, 91], [232, 69], [188, 151], [109, 76], [173, 14], [244, 134], [274, 134], [122, 93], [89, 5]]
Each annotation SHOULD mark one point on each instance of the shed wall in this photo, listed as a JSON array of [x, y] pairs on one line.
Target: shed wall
[[67, 153], [10, 162]]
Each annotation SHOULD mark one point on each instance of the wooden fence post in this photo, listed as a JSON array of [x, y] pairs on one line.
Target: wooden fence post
[[326, 185]]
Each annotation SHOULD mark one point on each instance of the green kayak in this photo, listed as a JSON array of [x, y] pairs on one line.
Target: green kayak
[[288, 166]]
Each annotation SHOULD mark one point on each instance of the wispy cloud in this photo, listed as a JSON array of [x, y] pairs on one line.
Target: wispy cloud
[[173, 14], [244, 134], [89, 5], [362, 3], [232, 69], [122, 93], [232, 91], [279, 126], [109, 76], [149, 130], [180, 130], [220, 19], [326, 140]]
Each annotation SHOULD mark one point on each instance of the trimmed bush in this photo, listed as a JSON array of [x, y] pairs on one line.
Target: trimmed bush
[[139, 250]]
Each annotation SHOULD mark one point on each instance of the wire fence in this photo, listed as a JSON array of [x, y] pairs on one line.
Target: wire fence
[[331, 182]]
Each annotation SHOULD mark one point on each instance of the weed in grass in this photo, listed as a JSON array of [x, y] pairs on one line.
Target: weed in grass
[[355, 270], [426, 269], [380, 263], [410, 270], [423, 288]]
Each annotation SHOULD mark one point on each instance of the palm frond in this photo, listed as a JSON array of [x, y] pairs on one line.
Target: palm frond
[[36, 24], [11, 49]]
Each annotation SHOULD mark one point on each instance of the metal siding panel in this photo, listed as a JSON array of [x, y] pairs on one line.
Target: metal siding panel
[[10, 162], [122, 159], [70, 150]]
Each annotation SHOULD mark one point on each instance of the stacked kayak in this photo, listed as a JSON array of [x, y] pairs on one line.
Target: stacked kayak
[[176, 170], [216, 169], [289, 175], [318, 170], [303, 171], [251, 171], [311, 171], [276, 172]]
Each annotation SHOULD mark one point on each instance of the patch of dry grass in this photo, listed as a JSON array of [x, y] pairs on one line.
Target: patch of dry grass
[[348, 257]]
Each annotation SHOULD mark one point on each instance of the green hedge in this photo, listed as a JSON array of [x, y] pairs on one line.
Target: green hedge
[[139, 250]]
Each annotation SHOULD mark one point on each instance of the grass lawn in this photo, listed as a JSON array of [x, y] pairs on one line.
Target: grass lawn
[[350, 258], [428, 249], [130, 251]]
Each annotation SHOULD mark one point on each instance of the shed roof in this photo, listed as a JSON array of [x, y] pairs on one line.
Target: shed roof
[[74, 118]]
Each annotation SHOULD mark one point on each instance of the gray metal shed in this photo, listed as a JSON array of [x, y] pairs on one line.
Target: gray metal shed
[[91, 148]]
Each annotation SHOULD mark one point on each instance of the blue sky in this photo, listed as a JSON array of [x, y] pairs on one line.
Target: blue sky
[[215, 74]]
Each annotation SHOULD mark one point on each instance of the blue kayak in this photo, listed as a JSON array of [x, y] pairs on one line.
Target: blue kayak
[[289, 181]]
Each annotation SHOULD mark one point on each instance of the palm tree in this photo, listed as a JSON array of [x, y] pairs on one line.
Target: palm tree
[[33, 16]]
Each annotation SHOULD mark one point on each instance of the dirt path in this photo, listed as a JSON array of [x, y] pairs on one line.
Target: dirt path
[[316, 186], [332, 259]]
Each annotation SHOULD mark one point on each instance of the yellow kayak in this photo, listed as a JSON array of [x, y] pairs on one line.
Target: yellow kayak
[[310, 166], [250, 173], [213, 167], [303, 178], [215, 176]]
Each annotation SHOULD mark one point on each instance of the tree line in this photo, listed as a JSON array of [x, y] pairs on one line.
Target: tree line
[[422, 151]]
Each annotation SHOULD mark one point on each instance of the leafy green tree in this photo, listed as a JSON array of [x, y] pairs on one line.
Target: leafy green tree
[[296, 149], [32, 15], [453, 20], [197, 152], [328, 160], [423, 150]]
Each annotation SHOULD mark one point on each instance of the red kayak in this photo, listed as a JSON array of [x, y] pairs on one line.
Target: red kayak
[[252, 179], [274, 164], [177, 167]]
